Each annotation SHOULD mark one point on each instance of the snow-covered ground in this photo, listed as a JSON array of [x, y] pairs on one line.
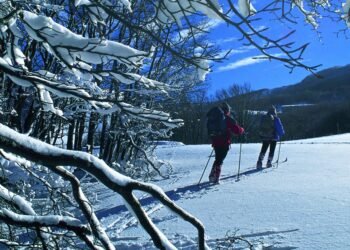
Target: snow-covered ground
[[302, 204]]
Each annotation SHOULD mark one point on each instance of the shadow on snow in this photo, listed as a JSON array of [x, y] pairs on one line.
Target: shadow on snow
[[177, 193]]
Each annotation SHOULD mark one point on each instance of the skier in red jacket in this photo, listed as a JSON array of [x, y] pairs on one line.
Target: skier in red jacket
[[221, 143]]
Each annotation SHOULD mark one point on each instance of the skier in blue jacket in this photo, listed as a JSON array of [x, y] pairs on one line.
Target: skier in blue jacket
[[270, 131]]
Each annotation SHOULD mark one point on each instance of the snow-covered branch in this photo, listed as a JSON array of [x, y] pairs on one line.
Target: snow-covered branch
[[85, 206], [43, 221], [74, 50], [51, 156], [60, 89], [63, 222], [168, 11], [23, 206]]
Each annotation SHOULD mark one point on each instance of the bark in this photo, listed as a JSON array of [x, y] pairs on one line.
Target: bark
[[91, 132], [70, 136]]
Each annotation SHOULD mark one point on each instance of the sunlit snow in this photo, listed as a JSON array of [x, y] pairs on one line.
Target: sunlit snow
[[302, 204]]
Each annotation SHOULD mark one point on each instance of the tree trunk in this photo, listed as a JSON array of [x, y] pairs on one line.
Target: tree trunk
[[103, 136], [80, 125], [91, 132], [70, 136]]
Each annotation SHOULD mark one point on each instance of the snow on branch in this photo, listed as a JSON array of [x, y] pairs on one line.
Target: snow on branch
[[45, 85], [98, 15], [23, 205], [51, 156], [29, 166], [76, 51], [309, 15], [346, 10], [129, 78], [246, 8], [102, 105], [85, 206], [186, 7], [148, 114], [42, 221], [271, 49], [63, 222], [79, 54], [169, 11], [79, 196]]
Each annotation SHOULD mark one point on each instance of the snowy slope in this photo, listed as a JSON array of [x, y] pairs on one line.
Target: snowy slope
[[302, 204]]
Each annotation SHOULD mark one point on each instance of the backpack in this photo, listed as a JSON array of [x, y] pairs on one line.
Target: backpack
[[267, 127], [216, 122]]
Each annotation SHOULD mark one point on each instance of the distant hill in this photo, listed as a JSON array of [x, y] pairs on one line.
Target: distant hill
[[330, 95], [329, 112], [332, 85]]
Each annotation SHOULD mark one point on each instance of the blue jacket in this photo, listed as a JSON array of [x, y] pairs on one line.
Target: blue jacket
[[270, 128]]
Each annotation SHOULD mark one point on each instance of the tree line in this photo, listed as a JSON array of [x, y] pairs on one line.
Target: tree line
[[304, 115]]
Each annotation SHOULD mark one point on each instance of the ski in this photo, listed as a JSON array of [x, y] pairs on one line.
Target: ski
[[247, 172], [253, 170], [276, 163]]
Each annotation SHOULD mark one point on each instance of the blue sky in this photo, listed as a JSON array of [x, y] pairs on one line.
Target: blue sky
[[326, 49]]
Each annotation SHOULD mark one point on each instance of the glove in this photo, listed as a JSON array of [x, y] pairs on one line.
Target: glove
[[244, 136]]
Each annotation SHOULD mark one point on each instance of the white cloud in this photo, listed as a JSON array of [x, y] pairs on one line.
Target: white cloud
[[210, 25], [226, 40], [222, 54], [241, 50], [241, 63], [247, 61], [213, 23], [260, 28]]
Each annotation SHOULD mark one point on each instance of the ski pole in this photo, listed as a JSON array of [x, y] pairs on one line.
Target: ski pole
[[239, 160], [278, 155], [240, 145], [206, 166]]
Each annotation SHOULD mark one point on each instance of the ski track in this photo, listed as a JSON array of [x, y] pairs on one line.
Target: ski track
[[280, 231], [126, 221], [189, 192]]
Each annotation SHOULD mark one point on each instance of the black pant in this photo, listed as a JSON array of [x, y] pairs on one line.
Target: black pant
[[265, 145], [220, 154]]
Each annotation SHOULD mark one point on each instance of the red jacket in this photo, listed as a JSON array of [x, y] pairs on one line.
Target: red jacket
[[231, 128]]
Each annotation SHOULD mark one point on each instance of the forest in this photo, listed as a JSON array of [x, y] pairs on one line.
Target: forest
[[317, 106]]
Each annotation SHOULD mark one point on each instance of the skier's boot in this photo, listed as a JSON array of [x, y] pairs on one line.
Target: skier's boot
[[212, 173], [269, 163], [217, 174], [259, 163]]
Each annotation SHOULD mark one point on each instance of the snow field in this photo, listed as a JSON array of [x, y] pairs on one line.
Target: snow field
[[302, 204]]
